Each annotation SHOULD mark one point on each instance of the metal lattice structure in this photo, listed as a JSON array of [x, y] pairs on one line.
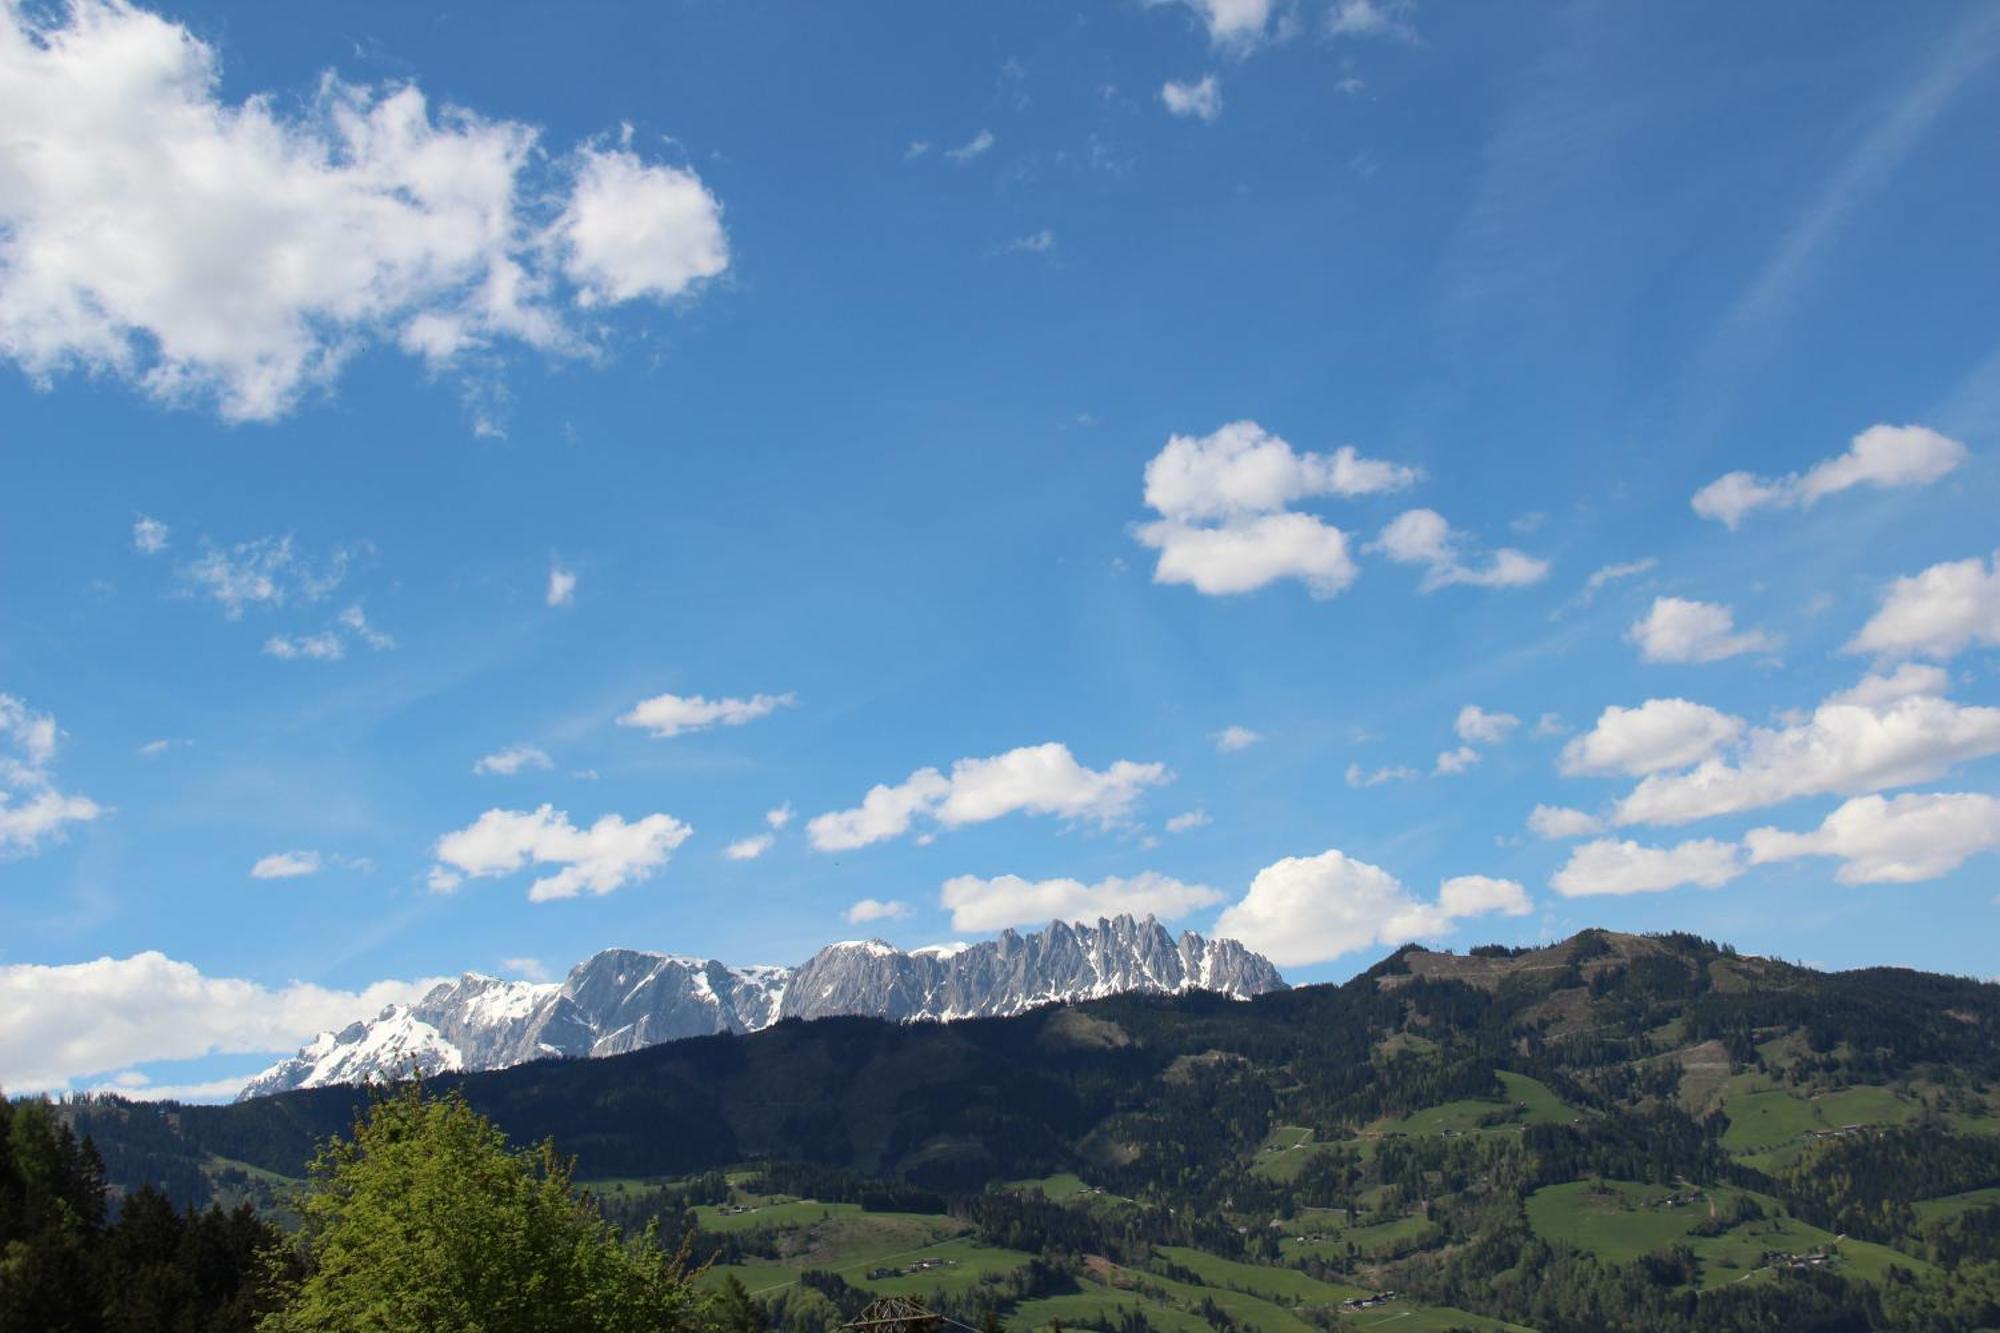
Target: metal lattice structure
[[896, 1314]]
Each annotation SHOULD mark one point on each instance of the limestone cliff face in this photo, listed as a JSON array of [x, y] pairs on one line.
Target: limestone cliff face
[[623, 999]]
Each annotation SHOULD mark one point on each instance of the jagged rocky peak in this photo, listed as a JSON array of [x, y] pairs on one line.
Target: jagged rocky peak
[[1014, 972], [624, 999], [616, 1000]]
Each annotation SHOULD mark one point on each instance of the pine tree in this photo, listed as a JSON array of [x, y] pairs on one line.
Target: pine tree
[[733, 1310]]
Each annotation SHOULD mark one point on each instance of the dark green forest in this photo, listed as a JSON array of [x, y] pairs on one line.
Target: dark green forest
[[1615, 1132], [67, 1264]]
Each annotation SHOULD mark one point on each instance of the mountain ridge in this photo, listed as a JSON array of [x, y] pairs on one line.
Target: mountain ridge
[[620, 1000]]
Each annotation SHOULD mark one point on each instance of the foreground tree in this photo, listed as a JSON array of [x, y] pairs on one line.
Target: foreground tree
[[425, 1221]]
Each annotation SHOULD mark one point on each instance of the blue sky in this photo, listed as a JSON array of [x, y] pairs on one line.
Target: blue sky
[[820, 354]]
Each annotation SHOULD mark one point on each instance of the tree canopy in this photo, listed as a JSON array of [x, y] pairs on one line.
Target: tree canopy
[[425, 1221]]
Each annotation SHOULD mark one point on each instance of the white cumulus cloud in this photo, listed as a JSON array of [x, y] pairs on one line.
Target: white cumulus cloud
[[1896, 840], [240, 252], [64, 1022], [1451, 763], [750, 848], [1842, 748], [1560, 821], [1250, 553], [666, 715], [149, 536], [1188, 820], [1233, 22], [1884, 457], [599, 859], [1616, 866], [1225, 526], [1371, 18], [1658, 734], [634, 229], [287, 865], [1034, 779], [1244, 469], [514, 759], [1679, 630], [1482, 895], [562, 587], [1423, 537], [135, 1086], [1907, 680], [875, 909], [1200, 98], [1307, 909], [1233, 738], [1937, 613], [885, 812], [32, 810], [1477, 726], [1009, 900]]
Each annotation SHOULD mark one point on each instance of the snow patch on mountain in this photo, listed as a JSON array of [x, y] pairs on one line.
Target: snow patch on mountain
[[624, 999]]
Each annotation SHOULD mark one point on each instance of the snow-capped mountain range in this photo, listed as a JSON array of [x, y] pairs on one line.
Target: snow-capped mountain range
[[622, 999]]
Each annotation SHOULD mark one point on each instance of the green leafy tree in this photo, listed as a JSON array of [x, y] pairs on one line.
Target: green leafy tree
[[424, 1221]]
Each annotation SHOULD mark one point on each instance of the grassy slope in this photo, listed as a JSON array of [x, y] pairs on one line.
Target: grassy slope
[[1625, 1220], [1060, 1187], [1527, 1102], [790, 1213], [1097, 1301], [1939, 1210], [1170, 1304], [1279, 1284], [852, 1242], [970, 1261], [1767, 1119]]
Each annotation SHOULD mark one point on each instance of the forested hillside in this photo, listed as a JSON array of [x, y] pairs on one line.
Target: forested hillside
[[1612, 1132]]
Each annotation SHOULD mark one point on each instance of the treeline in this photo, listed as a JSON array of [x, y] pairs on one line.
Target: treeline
[[67, 1264], [1864, 1184], [832, 1184]]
